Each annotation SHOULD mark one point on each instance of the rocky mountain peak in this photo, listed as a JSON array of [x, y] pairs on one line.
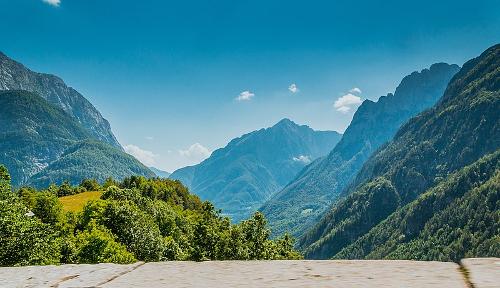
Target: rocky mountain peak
[[15, 76]]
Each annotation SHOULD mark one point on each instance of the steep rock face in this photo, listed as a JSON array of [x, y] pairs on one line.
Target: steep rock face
[[302, 201], [14, 76], [240, 176], [461, 128]]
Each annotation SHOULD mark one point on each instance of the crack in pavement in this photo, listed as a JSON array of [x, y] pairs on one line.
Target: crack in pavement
[[139, 264], [466, 274], [65, 278]]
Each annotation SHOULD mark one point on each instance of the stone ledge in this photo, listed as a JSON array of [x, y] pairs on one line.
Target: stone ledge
[[342, 273], [83, 275], [483, 272]]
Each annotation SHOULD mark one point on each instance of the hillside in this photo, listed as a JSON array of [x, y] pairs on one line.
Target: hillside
[[89, 159], [34, 133], [75, 203], [241, 176], [443, 222], [462, 127], [39, 138], [15, 76], [298, 206]]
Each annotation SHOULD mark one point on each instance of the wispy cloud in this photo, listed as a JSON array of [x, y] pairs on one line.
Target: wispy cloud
[[346, 102], [55, 3], [147, 158], [293, 88], [195, 152], [302, 159], [150, 138], [245, 96], [355, 90]]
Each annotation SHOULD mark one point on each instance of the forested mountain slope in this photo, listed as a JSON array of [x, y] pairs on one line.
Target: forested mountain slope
[[89, 159], [241, 176], [460, 129], [459, 217], [35, 134], [301, 202], [15, 76]]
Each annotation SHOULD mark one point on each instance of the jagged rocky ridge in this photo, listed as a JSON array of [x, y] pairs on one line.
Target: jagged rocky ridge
[[460, 129], [298, 206]]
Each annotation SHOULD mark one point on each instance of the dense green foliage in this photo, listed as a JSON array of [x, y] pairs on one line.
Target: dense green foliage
[[24, 240], [458, 218], [298, 206], [241, 176], [460, 129], [38, 137], [136, 219]]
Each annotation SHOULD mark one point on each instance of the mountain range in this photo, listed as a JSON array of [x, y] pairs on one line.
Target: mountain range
[[416, 175], [432, 192], [50, 133], [241, 176], [298, 206]]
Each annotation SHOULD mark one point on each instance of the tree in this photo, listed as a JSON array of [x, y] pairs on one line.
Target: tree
[[24, 239], [98, 245], [4, 183], [90, 185]]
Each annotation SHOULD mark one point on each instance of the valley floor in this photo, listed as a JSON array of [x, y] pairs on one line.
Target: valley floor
[[472, 273]]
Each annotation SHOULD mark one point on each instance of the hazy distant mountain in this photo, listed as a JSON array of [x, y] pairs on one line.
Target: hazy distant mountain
[[38, 137], [386, 215], [159, 173], [302, 201], [241, 176], [14, 76]]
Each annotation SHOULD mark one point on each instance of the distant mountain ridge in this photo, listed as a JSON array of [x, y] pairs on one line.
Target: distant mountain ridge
[[159, 173], [301, 202], [412, 195], [15, 76], [240, 176]]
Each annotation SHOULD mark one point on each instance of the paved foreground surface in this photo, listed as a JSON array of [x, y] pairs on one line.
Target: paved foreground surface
[[481, 273]]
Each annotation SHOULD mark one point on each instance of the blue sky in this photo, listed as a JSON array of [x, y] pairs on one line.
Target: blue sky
[[168, 74]]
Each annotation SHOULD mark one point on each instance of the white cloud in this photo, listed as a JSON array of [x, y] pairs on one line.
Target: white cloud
[[245, 96], [345, 103], [150, 138], [52, 2], [293, 88], [355, 90], [147, 158], [303, 159], [195, 152]]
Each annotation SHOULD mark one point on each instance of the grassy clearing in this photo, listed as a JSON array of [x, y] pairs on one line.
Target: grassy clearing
[[75, 202]]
